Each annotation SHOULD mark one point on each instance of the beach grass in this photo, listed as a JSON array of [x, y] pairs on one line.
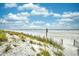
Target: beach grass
[[43, 53], [58, 53], [24, 36], [47, 41], [2, 36], [38, 38]]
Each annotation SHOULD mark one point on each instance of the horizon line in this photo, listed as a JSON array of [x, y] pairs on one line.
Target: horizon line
[[39, 29]]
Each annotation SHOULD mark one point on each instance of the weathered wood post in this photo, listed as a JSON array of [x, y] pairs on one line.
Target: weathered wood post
[[61, 41], [78, 51], [46, 32], [46, 35], [74, 42]]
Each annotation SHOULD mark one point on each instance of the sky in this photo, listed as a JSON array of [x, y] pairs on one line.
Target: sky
[[39, 15]]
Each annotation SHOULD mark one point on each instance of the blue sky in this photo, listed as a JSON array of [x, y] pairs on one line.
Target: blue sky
[[39, 15]]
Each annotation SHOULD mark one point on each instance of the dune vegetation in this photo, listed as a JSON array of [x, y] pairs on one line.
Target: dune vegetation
[[43, 53], [38, 38], [2, 36]]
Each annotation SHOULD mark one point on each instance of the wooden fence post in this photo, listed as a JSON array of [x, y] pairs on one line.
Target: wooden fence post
[[74, 42], [46, 32], [61, 41], [46, 35], [78, 51]]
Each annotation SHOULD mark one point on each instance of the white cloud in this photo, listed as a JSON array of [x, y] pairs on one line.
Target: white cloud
[[31, 7], [10, 5], [2, 21], [27, 6], [62, 20], [47, 24], [17, 17], [66, 15], [35, 9], [62, 24], [55, 14], [34, 26], [42, 13], [40, 24], [66, 19], [70, 14], [37, 22]]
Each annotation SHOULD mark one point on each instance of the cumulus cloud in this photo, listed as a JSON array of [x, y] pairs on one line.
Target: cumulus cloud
[[15, 17], [22, 18], [61, 20], [10, 5], [47, 24], [42, 13], [70, 14], [67, 18], [37, 25], [2, 21], [55, 14], [35, 9], [38, 22], [27, 6], [66, 15], [34, 26], [31, 7], [14, 21]]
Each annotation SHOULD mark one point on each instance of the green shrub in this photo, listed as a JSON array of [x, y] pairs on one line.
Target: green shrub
[[43, 53], [2, 36], [38, 54], [58, 53], [39, 44], [31, 42], [55, 44], [23, 36], [44, 40], [1, 43]]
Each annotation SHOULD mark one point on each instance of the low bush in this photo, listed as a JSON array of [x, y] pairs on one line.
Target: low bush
[[43, 53], [58, 53], [2, 37]]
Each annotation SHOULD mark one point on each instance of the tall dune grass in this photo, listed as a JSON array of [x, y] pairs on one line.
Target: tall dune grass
[[38, 38], [2, 36]]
